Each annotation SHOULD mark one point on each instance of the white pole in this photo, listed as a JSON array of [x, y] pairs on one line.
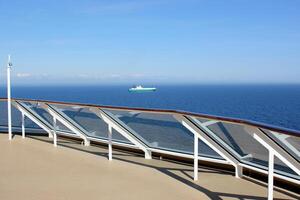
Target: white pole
[[271, 175], [9, 65], [109, 142], [23, 125], [54, 132], [195, 157]]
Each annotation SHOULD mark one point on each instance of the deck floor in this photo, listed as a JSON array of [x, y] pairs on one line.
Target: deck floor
[[32, 168]]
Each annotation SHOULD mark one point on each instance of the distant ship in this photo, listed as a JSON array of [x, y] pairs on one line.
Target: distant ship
[[140, 88]]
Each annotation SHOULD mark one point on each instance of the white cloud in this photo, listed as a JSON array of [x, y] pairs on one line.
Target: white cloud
[[137, 75], [83, 76], [44, 74], [115, 75], [23, 75]]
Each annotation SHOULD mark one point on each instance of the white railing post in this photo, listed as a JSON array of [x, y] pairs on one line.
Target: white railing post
[[123, 131], [277, 150], [195, 157], [23, 125], [9, 65], [33, 117], [238, 171], [207, 140], [271, 175], [109, 142], [234, 161], [54, 132], [274, 150], [69, 123]]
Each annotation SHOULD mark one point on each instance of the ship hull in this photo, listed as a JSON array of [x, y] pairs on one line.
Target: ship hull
[[142, 89]]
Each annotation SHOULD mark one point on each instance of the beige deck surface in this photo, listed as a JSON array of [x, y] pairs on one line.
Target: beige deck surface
[[32, 168]]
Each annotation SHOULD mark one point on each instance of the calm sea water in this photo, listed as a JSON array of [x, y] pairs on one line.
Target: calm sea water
[[273, 104]]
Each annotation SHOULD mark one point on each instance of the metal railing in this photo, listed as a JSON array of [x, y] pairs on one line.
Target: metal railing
[[240, 143]]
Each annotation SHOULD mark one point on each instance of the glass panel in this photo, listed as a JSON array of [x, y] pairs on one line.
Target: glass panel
[[202, 120], [3, 113], [18, 130], [15, 115], [31, 127], [161, 131], [283, 169], [91, 123], [238, 140], [36, 108], [290, 143]]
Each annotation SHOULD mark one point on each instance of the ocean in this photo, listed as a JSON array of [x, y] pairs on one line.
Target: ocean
[[277, 105]]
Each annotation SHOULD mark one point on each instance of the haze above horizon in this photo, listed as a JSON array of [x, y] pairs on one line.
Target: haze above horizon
[[155, 41]]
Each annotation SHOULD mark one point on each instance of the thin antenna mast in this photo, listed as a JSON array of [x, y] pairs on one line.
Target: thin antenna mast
[[9, 65]]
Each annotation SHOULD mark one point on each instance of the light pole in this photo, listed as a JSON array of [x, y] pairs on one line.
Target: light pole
[[9, 65]]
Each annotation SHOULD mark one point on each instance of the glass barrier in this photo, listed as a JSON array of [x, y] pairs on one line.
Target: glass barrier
[[290, 143], [240, 142], [16, 118], [161, 131], [283, 169], [3, 113], [38, 110], [15, 114], [90, 122]]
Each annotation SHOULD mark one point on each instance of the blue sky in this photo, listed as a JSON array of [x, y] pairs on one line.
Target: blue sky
[[155, 41]]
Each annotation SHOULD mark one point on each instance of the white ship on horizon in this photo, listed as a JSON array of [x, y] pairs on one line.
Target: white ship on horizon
[[139, 88]]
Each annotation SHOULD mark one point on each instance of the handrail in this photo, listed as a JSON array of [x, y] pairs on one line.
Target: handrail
[[282, 130], [254, 129]]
